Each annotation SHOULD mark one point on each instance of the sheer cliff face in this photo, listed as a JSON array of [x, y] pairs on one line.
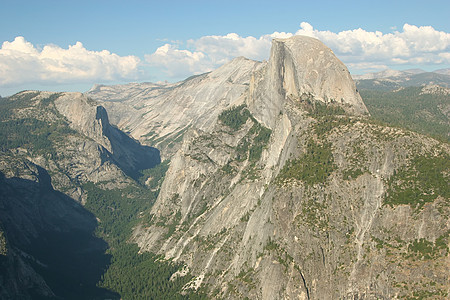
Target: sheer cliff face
[[159, 115], [91, 120], [292, 197], [300, 68]]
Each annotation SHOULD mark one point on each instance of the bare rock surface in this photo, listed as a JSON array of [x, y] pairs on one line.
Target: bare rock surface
[[159, 115], [309, 216]]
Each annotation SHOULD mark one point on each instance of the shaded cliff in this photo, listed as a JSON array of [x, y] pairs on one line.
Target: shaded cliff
[[159, 115], [50, 248], [53, 145]]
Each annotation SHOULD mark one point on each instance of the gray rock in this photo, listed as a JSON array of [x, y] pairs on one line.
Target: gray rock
[[245, 230]]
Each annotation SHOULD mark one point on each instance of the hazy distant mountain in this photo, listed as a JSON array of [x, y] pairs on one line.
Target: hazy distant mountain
[[390, 80], [396, 73], [443, 71], [384, 74]]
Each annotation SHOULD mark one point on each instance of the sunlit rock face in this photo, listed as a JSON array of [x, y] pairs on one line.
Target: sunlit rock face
[[309, 216]]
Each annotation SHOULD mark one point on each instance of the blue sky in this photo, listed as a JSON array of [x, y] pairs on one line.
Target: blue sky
[[170, 40]]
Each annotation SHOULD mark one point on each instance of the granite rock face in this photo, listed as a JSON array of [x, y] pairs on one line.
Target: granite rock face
[[301, 68], [159, 115], [91, 120], [295, 200]]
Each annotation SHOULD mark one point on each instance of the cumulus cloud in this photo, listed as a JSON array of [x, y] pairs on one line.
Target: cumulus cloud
[[361, 50], [176, 63], [209, 52], [22, 63]]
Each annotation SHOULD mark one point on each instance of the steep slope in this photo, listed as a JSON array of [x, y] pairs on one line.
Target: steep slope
[[92, 121], [301, 68], [159, 115], [50, 249], [54, 146], [296, 194]]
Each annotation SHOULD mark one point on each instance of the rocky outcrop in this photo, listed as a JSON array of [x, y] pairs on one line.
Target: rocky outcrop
[[90, 119], [301, 68], [56, 144], [291, 197], [161, 114]]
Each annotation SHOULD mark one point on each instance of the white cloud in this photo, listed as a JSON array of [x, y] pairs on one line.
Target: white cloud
[[207, 53], [23, 63], [360, 49], [414, 45], [176, 63]]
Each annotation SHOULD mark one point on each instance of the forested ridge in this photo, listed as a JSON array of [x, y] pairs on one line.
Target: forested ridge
[[411, 109]]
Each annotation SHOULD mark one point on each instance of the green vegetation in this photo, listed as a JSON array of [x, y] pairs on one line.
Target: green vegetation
[[145, 276], [326, 124], [261, 138], [410, 109], [313, 167], [153, 177], [228, 169], [318, 109], [271, 245], [31, 134], [328, 116], [422, 181], [117, 209], [252, 145], [424, 249], [17, 101], [352, 173], [235, 117], [134, 275]]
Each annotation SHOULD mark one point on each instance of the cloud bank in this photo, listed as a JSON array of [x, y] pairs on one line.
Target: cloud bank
[[361, 50], [22, 63]]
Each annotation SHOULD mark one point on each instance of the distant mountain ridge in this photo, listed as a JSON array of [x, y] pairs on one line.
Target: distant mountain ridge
[[390, 80], [397, 73]]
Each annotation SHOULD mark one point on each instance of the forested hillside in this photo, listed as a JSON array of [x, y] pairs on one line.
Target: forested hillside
[[416, 108]]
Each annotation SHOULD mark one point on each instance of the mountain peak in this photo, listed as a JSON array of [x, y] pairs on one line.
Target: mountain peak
[[310, 67], [300, 66]]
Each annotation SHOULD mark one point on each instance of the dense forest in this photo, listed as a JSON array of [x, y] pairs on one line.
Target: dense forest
[[411, 109], [134, 275]]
